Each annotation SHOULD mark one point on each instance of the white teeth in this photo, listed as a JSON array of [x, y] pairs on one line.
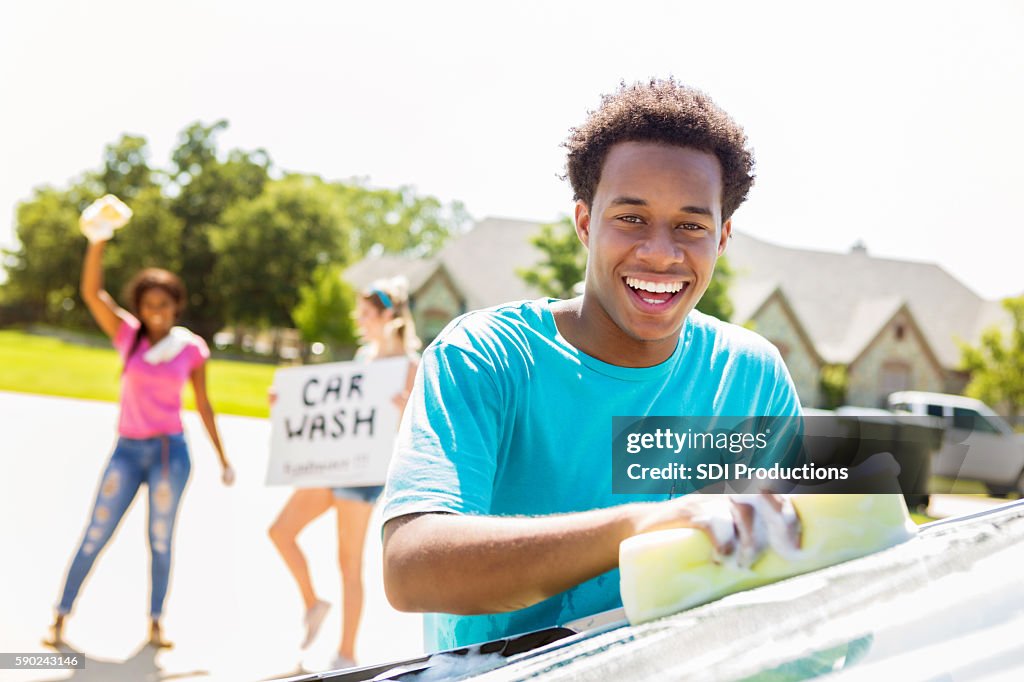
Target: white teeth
[[654, 287]]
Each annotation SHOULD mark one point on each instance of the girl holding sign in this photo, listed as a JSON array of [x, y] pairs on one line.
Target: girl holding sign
[[158, 359], [387, 330]]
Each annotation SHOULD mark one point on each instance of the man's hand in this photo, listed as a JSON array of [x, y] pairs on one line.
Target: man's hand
[[470, 564], [740, 527]]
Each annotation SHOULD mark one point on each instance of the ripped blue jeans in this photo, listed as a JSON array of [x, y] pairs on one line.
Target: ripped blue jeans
[[163, 464]]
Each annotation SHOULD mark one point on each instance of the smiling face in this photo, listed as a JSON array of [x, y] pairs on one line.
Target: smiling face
[[654, 232], [158, 311]]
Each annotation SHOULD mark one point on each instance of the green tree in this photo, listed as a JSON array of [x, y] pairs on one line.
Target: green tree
[[834, 382], [268, 248], [397, 220], [325, 307], [126, 170], [243, 245], [564, 260], [203, 187], [151, 239], [564, 264], [716, 301], [43, 274], [44, 271], [996, 364]]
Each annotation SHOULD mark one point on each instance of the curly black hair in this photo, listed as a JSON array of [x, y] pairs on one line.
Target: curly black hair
[[143, 281], [660, 111]]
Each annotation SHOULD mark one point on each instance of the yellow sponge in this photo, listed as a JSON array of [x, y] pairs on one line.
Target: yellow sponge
[[670, 570], [102, 217]]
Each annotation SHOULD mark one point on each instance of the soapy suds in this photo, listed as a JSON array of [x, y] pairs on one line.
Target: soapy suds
[[770, 528], [449, 666]]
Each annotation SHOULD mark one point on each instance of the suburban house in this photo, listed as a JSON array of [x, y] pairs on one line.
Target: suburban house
[[477, 270], [891, 324]]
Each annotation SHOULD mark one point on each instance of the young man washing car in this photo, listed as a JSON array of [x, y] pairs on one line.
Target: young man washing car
[[499, 512]]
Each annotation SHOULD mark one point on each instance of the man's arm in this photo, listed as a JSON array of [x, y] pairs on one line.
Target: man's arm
[[467, 564], [482, 564]]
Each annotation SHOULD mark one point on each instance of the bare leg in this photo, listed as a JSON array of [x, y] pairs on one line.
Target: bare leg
[[156, 637], [302, 507], [353, 519], [56, 639]]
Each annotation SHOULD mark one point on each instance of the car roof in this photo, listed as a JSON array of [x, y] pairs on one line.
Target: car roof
[[939, 399]]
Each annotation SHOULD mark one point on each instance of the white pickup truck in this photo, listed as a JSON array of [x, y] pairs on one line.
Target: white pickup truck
[[978, 444]]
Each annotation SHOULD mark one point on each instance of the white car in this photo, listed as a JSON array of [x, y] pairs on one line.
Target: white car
[[978, 444]]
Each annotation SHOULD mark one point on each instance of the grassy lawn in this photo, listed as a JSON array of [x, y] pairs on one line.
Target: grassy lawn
[[40, 364], [920, 518], [939, 484], [49, 366]]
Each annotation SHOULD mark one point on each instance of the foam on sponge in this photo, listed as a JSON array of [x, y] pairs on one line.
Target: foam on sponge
[[667, 571], [102, 217]]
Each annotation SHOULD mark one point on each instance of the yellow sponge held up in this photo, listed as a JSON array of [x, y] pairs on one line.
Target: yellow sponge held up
[[102, 217]]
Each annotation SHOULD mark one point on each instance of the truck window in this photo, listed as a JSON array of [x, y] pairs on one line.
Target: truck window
[[935, 410], [971, 420]]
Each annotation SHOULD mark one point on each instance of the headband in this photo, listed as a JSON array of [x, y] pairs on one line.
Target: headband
[[384, 298]]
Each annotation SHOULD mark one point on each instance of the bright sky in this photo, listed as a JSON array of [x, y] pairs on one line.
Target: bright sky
[[899, 124]]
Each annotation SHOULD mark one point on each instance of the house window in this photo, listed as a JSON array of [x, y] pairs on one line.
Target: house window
[[900, 331], [432, 322]]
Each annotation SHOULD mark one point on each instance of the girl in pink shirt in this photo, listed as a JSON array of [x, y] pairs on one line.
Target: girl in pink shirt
[[151, 449]]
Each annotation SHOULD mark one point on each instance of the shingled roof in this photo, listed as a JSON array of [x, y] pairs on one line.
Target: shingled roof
[[482, 263], [416, 270], [841, 299]]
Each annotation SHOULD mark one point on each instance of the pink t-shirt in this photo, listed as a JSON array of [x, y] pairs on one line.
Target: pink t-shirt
[[151, 394]]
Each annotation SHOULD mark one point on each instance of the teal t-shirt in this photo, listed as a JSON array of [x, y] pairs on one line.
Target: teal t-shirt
[[508, 418]]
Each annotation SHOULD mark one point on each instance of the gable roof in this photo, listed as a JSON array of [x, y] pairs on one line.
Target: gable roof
[[902, 310], [483, 261], [842, 298], [416, 270], [865, 322], [776, 294], [748, 296], [991, 314]]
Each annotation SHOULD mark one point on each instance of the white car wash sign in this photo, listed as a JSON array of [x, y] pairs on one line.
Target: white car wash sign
[[334, 424]]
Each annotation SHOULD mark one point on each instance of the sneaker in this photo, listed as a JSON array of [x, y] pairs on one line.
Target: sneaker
[[314, 619], [341, 662]]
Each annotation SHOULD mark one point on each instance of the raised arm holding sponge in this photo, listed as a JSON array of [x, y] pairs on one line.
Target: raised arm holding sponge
[[102, 217]]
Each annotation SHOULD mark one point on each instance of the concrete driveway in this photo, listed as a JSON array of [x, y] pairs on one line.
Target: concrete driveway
[[232, 610]]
